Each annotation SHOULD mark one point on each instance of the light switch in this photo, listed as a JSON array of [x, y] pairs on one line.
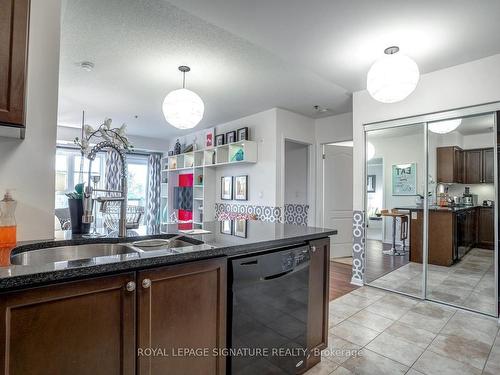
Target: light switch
[[414, 215]]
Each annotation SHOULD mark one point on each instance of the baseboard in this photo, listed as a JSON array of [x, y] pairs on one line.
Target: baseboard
[[356, 281]]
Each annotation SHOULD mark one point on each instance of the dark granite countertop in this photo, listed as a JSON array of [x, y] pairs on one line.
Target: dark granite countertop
[[439, 208], [260, 237]]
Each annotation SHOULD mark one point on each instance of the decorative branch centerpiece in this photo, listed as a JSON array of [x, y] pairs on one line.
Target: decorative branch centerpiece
[[104, 133]]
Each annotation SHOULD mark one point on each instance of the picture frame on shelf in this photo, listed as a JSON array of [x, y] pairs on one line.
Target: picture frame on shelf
[[226, 188], [240, 228], [241, 188], [231, 136], [209, 137], [226, 227], [219, 139], [242, 134]]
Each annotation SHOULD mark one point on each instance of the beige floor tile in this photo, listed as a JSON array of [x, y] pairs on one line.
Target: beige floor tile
[[369, 292], [355, 300], [371, 320], [341, 310], [370, 363], [422, 321], [493, 363], [395, 348], [459, 348], [342, 371], [417, 336], [431, 363], [354, 333], [323, 368], [414, 372], [388, 309], [333, 320], [434, 310], [339, 350], [472, 326]]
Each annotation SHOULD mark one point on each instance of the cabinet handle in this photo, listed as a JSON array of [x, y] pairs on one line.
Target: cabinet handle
[[130, 286], [146, 283]]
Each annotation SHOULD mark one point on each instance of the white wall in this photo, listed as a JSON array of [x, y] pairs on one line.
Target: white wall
[[68, 134], [262, 175], [298, 128], [328, 130], [28, 166], [296, 173], [469, 84]]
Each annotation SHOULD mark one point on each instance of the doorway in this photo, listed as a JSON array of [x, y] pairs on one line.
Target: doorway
[[296, 189]]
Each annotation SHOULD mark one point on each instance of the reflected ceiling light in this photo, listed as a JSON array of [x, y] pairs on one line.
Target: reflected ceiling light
[[443, 127], [392, 77], [370, 151], [183, 108]]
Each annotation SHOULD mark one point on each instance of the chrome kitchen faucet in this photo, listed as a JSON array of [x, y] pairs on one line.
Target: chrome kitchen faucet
[[88, 199]]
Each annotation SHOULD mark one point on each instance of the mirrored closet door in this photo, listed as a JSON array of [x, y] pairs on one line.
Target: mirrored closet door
[[461, 215], [395, 172], [431, 208]]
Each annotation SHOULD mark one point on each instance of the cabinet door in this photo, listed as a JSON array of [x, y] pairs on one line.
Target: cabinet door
[[82, 327], [317, 325], [473, 166], [14, 16], [458, 165], [488, 165], [182, 307], [486, 228]]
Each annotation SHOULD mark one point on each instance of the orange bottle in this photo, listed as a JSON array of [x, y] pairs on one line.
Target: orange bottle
[[8, 228]]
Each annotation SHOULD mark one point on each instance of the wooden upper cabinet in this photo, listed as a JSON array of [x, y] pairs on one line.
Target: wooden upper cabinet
[[488, 165], [450, 164], [473, 165], [14, 24], [82, 327], [182, 307]]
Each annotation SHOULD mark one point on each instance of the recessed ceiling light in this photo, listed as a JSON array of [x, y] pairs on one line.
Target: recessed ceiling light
[[87, 66]]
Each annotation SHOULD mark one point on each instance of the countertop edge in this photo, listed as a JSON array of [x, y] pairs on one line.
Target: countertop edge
[[25, 281]]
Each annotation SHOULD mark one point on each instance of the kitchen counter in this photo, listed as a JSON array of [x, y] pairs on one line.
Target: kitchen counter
[[260, 237], [439, 208]]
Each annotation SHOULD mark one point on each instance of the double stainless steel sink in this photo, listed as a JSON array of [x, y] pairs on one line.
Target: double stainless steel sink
[[89, 251]]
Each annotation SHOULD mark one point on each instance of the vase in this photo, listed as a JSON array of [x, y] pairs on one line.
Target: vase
[[76, 213]]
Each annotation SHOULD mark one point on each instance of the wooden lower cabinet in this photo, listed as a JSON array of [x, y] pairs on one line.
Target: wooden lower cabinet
[[317, 324], [83, 327], [486, 228], [182, 307]]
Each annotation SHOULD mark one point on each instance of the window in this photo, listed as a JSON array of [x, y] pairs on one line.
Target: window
[[72, 169], [137, 180], [70, 172]]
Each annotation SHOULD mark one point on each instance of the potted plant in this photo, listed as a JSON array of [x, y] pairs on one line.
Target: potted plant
[[75, 204]]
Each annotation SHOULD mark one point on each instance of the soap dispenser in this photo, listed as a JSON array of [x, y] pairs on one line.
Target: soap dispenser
[[8, 228]]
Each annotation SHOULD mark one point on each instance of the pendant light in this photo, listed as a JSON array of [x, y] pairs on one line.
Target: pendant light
[[392, 77], [446, 126], [183, 108]]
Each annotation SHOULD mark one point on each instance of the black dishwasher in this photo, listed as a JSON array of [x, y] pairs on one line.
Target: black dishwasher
[[269, 305]]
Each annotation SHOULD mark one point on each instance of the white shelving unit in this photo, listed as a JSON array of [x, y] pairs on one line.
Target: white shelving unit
[[201, 163]]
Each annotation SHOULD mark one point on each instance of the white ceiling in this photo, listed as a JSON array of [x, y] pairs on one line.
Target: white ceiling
[[248, 56], [340, 39]]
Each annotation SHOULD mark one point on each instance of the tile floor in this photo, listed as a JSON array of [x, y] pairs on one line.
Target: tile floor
[[377, 332], [469, 283]]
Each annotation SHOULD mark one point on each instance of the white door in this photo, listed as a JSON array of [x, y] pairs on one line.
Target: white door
[[337, 197]]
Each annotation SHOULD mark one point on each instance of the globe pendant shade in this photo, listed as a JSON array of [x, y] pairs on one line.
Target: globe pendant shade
[[443, 127], [183, 108], [392, 78]]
